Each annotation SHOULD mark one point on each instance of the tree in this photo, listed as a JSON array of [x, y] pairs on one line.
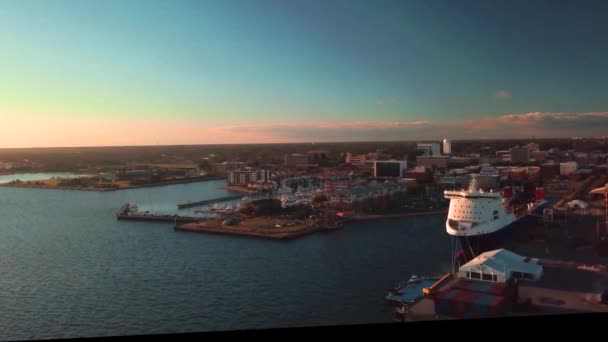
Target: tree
[[204, 165], [248, 210], [302, 211], [319, 199]]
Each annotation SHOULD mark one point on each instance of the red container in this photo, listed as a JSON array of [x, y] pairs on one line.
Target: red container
[[492, 288], [540, 194], [507, 192], [461, 303], [456, 303], [497, 307]]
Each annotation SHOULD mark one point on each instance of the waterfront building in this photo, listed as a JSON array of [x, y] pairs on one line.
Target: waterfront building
[[539, 156], [224, 167], [296, 159], [317, 156], [359, 160], [365, 159], [454, 182], [6, 166], [434, 162], [568, 168], [389, 168], [248, 175], [447, 146], [430, 149], [549, 170], [462, 161], [420, 173], [533, 147], [486, 155]]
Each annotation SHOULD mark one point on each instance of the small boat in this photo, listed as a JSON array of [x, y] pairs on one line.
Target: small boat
[[410, 291]]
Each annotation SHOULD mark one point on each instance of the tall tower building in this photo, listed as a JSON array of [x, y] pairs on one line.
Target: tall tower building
[[447, 146]]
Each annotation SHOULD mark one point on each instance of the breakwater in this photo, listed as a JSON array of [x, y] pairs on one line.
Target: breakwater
[[210, 201], [126, 213]]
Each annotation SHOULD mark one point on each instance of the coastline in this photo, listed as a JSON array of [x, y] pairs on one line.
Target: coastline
[[401, 215], [197, 228], [237, 188], [245, 230], [174, 182]]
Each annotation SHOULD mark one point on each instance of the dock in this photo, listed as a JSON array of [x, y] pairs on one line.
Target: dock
[[209, 201]]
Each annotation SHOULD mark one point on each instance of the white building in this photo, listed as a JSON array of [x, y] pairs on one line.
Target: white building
[[532, 147], [430, 149], [246, 176], [567, 169], [447, 146], [499, 266], [360, 159], [389, 168]]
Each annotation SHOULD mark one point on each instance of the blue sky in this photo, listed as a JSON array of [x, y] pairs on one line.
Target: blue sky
[[273, 71]]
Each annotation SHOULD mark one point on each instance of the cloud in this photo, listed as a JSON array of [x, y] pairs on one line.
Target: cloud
[[18, 130], [502, 95], [519, 125], [386, 101]]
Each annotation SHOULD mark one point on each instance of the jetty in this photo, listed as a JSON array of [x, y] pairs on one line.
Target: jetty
[[209, 201]]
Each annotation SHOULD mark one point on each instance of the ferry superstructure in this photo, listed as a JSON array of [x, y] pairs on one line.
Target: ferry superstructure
[[482, 220]]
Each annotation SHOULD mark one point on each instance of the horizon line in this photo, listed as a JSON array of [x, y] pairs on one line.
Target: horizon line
[[301, 143]]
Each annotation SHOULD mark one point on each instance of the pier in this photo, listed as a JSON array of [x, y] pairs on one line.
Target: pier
[[210, 201]]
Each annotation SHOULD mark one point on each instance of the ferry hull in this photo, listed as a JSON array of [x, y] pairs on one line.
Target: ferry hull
[[477, 244]]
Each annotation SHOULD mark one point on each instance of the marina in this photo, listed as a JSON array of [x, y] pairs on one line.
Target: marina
[[129, 212]]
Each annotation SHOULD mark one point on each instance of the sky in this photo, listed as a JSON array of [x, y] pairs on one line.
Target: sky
[[127, 72]]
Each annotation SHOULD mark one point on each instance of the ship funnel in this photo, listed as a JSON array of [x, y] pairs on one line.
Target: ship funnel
[[507, 192], [473, 185], [540, 194]]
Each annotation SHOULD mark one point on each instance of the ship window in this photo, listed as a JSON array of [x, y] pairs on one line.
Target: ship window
[[487, 277], [494, 277], [475, 275]]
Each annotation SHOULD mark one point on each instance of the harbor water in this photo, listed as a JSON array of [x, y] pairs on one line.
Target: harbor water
[[70, 269]]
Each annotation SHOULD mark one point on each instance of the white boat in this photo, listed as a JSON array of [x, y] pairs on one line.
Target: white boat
[[482, 220], [288, 201]]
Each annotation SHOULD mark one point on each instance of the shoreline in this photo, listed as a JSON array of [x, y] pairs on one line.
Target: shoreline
[[401, 215], [174, 182], [237, 188], [199, 227]]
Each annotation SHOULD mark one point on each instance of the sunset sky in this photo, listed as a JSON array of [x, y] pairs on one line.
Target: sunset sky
[[126, 72]]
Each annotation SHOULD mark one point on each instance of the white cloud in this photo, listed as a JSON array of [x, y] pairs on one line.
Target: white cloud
[[502, 95]]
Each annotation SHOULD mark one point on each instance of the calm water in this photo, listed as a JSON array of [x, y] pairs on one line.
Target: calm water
[[24, 177], [69, 269]]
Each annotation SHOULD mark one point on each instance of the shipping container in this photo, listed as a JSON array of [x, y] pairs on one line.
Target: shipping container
[[509, 291], [468, 304], [540, 194], [507, 192]]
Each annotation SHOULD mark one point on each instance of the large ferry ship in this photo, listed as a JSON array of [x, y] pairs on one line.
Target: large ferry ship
[[483, 220]]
